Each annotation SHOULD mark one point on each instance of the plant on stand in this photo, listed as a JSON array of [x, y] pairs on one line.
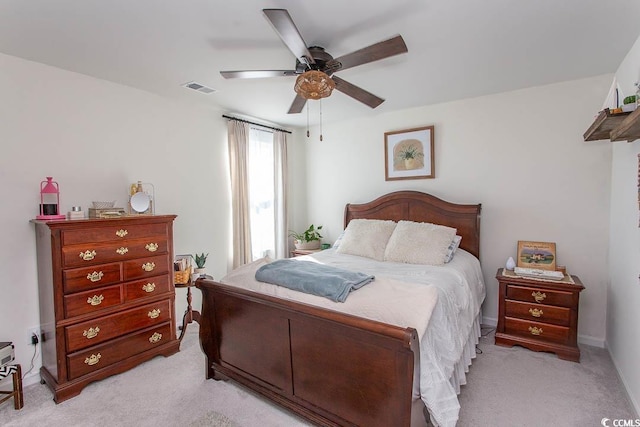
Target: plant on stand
[[308, 239], [200, 262]]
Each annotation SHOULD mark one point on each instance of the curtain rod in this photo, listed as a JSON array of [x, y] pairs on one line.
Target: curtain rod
[[253, 123]]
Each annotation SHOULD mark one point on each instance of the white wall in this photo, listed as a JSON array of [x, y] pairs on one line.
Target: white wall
[[623, 316], [95, 138], [520, 154]]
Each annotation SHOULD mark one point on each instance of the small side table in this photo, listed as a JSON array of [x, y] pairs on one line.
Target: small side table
[[300, 252], [16, 372], [190, 315]]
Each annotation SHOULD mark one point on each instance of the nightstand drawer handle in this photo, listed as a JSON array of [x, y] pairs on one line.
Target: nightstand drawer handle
[[148, 266], [535, 312], [151, 247], [95, 276], [535, 330], [155, 337], [91, 333], [149, 287], [122, 250], [88, 255], [121, 233], [95, 300], [154, 314], [93, 359], [538, 296]]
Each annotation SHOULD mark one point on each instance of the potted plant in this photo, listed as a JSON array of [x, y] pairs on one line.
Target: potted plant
[[308, 239], [200, 262], [411, 156]]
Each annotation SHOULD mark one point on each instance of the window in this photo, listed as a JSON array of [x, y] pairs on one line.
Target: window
[[260, 171]]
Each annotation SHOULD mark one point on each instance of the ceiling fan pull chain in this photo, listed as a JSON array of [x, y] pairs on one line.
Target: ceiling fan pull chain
[[320, 101], [308, 119]]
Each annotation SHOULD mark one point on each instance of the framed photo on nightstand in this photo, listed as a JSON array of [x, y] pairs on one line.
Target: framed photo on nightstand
[[540, 255]]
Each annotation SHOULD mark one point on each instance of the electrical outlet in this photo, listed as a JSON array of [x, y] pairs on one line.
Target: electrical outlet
[[34, 331]]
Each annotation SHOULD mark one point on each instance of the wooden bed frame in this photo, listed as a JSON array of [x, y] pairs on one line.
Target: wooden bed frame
[[331, 368]]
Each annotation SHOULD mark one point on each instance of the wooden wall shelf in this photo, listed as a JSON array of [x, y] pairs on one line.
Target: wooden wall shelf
[[614, 127]]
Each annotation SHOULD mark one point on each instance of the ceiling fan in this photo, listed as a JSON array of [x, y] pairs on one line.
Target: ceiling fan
[[315, 67]]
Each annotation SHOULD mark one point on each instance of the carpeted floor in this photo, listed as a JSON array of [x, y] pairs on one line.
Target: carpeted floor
[[506, 387]]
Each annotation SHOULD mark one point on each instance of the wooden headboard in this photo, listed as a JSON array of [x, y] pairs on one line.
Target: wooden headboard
[[422, 207]]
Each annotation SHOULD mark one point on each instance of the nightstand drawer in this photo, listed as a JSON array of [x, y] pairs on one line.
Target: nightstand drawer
[[537, 330], [540, 295], [538, 312], [111, 352]]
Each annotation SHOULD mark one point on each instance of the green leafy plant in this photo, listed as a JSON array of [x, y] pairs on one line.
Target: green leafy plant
[[201, 259], [631, 99], [410, 152], [309, 235]]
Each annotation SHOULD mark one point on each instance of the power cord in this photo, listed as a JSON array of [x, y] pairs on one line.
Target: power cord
[[35, 341]]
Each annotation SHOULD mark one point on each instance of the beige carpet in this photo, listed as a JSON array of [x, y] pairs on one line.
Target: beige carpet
[[506, 387]]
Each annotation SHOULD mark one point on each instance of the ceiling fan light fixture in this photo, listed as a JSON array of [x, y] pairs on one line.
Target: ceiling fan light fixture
[[314, 84]]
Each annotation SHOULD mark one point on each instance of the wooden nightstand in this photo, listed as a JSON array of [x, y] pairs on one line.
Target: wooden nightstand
[[300, 252], [539, 315]]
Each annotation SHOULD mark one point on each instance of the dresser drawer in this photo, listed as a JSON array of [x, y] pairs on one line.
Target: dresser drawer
[[146, 267], [538, 312], [147, 287], [540, 295], [98, 330], [90, 253], [537, 330], [116, 232], [92, 301], [101, 356], [81, 279]]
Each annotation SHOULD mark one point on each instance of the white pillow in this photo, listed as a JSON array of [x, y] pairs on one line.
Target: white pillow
[[366, 237], [453, 247], [419, 243]]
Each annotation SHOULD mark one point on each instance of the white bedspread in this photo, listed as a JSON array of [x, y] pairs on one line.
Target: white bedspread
[[443, 327]]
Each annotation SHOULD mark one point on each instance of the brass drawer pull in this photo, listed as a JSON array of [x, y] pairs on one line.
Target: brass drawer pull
[[122, 250], [95, 300], [151, 247], [154, 314], [95, 276], [535, 330], [538, 296], [93, 359], [155, 337], [148, 266], [91, 333], [535, 312], [88, 255], [121, 233], [149, 287]]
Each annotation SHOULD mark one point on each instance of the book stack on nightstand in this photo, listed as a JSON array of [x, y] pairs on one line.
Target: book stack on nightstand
[[539, 314], [300, 252]]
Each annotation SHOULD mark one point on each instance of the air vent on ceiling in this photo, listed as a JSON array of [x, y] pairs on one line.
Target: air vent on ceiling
[[198, 87]]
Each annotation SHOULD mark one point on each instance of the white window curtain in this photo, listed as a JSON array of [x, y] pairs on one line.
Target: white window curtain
[[258, 165]]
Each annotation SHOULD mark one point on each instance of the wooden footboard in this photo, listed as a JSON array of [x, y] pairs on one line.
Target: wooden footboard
[[330, 368]]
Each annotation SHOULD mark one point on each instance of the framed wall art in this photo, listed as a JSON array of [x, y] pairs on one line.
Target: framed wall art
[[541, 255], [408, 154]]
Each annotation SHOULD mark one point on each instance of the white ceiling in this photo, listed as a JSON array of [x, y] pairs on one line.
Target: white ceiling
[[457, 48]]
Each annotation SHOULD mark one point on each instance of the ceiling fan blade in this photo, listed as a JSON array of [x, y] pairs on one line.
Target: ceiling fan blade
[[288, 32], [297, 105], [385, 49], [257, 74], [357, 93]]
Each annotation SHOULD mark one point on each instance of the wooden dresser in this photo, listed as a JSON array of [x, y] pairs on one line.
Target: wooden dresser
[[106, 297], [539, 315]]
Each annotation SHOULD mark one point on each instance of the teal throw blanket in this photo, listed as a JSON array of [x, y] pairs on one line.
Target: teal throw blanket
[[313, 278]]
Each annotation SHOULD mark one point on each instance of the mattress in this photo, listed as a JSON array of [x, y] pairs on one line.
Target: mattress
[[441, 302]]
